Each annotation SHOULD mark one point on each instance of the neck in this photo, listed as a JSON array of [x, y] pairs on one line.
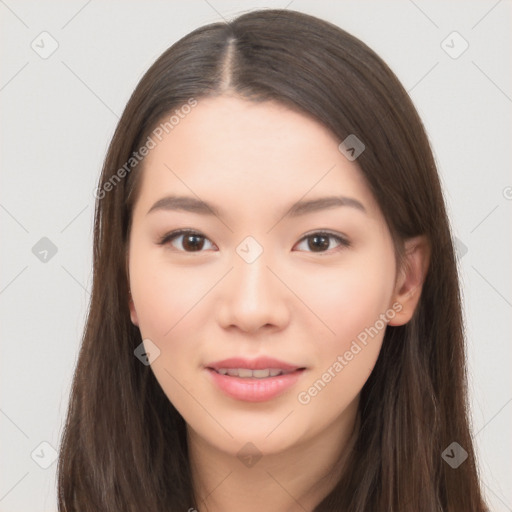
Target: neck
[[295, 480]]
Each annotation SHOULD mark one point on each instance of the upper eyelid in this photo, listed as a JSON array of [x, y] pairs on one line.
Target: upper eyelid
[[181, 232]]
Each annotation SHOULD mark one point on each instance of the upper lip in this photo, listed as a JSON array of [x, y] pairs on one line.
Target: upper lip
[[261, 363]]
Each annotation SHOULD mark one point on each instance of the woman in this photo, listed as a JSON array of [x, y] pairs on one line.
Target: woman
[[275, 321]]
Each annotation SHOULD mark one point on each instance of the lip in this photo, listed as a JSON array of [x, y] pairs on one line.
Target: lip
[[253, 364], [253, 389]]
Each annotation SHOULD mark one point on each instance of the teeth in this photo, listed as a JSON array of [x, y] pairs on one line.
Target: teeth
[[246, 373]]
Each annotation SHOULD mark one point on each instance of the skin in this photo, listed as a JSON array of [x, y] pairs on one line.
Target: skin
[[294, 303]]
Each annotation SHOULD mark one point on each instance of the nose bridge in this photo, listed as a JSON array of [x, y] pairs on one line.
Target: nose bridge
[[253, 280], [255, 297]]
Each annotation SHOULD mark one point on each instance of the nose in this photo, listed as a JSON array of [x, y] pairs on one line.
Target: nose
[[253, 298]]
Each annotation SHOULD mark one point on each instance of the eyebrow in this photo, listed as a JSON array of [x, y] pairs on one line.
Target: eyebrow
[[191, 204]]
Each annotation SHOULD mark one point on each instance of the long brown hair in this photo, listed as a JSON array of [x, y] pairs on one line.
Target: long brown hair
[[124, 444]]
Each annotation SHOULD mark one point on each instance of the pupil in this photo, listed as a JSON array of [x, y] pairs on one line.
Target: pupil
[[323, 245], [196, 242]]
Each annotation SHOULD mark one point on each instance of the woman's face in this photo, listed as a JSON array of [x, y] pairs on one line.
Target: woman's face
[[271, 270]]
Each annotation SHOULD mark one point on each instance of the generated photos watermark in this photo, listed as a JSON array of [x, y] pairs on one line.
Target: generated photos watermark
[[152, 141], [357, 345]]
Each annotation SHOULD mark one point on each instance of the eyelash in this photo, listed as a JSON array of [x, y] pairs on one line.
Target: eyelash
[[343, 242]]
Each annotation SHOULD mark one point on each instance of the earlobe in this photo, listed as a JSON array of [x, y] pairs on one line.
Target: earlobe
[[411, 277], [133, 312], [131, 305]]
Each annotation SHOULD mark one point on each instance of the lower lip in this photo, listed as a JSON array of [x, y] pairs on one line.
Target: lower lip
[[252, 389]]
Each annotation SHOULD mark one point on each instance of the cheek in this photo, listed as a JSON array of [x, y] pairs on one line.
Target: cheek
[[353, 301], [167, 299], [348, 299], [165, 295]]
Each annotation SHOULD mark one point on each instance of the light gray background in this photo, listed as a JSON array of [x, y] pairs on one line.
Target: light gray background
[[59, 113]]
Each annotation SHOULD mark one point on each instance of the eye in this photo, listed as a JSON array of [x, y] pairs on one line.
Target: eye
[[192, 241], [321, 241]]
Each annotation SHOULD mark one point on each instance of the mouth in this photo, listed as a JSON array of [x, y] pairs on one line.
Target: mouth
[[247, 373], [254, 381]]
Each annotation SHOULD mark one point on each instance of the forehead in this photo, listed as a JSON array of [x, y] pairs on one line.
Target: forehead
[[234, 150]]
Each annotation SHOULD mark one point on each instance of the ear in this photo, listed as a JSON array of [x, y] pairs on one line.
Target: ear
[[131, 305], [411, 277], [133, 312]]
